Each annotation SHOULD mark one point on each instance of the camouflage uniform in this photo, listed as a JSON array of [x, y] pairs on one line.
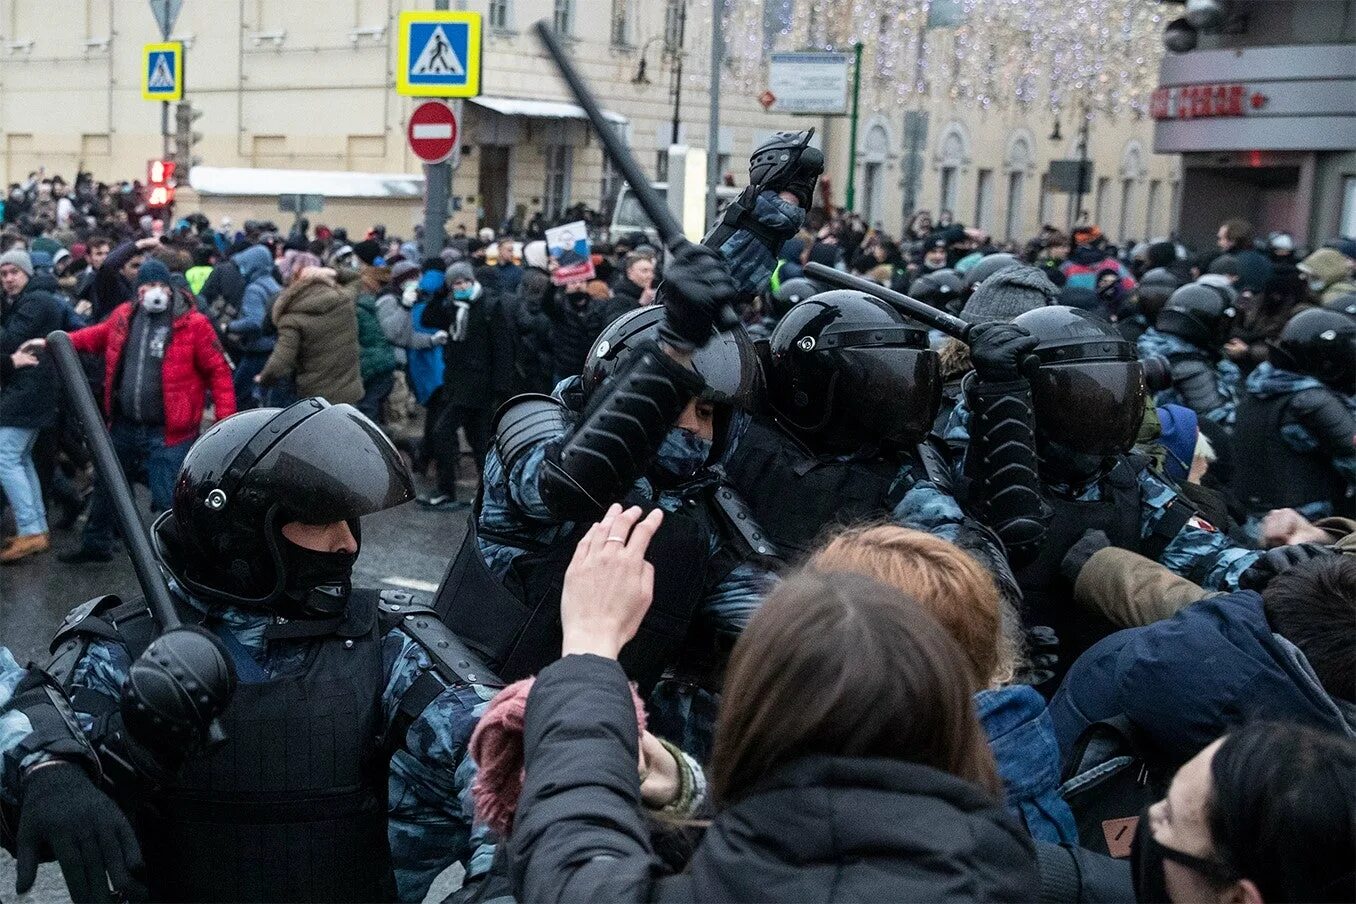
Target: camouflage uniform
[[1227, 375], [430, 813]]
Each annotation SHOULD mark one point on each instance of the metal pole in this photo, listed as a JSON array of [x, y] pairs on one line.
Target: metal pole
[[713, 116], [165, 131], [850, 198], [1082, 167], [437, 186], [678, 71]]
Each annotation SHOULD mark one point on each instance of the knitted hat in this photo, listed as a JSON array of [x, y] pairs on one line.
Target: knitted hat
[[152, 270], [497, 748], [45, 244], [1008, 293], [18, 258], [402, 271], [1179, 427], [460, 270], [41, 260]]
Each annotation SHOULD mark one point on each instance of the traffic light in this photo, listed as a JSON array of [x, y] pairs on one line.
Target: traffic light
[[160, 183], [184, 137]]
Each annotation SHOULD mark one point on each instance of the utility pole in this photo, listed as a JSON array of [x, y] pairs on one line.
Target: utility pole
[[850, 197], [1082, 167], [437, 187], [713, 116], [678, 70]]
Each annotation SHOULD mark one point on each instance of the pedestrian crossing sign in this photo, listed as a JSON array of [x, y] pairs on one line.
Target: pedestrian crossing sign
[[162, 71], [438, 54]]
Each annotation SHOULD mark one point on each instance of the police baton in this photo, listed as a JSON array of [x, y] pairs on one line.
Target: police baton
[[184, 680], [110, 472], [924, 313], [670, 232]]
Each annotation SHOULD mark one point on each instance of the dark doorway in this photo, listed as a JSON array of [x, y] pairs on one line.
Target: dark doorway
[[494, 175], [1264, 195]]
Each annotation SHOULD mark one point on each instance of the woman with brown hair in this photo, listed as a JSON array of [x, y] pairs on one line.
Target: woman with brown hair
[[956, 590], [848, 763]]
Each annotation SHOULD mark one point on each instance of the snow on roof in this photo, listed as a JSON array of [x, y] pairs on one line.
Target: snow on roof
[[540, 109], [229, 180]]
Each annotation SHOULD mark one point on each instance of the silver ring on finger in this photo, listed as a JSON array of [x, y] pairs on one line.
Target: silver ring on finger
[[615, 539]]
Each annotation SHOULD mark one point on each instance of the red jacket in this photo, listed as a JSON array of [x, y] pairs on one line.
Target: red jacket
[[194, 363]]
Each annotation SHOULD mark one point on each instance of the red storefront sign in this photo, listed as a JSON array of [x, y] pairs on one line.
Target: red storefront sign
[[1204, 101]]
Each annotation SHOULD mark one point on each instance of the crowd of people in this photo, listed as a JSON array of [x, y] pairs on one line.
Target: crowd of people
[[770, 590]]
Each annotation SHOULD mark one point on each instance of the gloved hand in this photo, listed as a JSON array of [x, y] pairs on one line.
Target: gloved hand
[[63, 814], [439, 338], [1276, 561], [697, 284], [998, 349], [1088, 545]]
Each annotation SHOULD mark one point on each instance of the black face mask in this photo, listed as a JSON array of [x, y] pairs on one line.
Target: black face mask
[[318, 583], [1146, 866]]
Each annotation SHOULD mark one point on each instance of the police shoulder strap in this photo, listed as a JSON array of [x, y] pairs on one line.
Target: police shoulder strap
[[452, 659]]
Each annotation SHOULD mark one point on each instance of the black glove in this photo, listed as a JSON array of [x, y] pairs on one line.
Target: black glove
[[65, 816], [999, 349], [697, 284], [1276, 561], [1088, 545]]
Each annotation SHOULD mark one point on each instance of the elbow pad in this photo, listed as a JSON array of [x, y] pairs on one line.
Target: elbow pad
[[1005, 486], [626, 421]]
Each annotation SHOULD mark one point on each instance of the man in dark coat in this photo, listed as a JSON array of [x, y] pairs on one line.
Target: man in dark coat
[[478, 356], [29, 309], [637, 275], [1286, 654]]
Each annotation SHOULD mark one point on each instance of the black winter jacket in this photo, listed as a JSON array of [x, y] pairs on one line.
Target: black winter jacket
[[28, 395], [576, 328], [820, 829], [478, 371], [535, 339]]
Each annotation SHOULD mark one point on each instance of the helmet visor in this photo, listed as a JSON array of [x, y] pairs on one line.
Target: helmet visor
[[1093, 407], [729, 367], [334, 466], [892, 392]]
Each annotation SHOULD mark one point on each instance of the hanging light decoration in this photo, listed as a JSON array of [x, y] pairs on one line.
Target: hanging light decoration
[[1028, 54]]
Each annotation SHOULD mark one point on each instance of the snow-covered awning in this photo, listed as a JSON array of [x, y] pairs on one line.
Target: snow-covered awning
[[233, 180], [539, 109]]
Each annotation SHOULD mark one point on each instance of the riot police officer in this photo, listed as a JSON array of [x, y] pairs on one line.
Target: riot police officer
[[783, 171], [1297, 418], [853, 389], [1088, 395], [340, 773], [661, 401], [1190, 333]]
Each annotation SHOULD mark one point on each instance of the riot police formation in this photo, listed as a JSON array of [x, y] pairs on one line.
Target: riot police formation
[[338, 769]]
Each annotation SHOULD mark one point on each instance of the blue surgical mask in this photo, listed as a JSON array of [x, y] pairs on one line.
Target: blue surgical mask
[[462, 294], [682, 454]]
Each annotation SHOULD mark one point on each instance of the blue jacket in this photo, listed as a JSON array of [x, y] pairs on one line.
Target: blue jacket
[[1022, 739], [1188, 679], [252, 328]]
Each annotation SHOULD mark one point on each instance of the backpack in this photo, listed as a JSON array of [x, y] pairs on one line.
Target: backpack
[[1109, 780]]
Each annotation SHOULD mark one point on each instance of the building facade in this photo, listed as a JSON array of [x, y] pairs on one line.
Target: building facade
[[307, 85], [1263, 112]]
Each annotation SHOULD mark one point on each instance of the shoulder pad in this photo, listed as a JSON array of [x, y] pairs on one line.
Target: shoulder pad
[[86, 619], [453, 660], [525, 420], [933, 455], [737, 515]]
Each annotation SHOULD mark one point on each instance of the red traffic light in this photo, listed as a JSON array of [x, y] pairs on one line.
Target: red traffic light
[[160, 172]]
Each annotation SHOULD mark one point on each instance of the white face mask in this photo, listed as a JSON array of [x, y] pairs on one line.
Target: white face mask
[[410, 294], [1316, 285], [155, 300]]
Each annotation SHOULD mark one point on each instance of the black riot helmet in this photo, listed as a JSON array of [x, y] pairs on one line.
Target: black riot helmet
[[1343, 304], [1154, 290], [1322, 344], [727, 363], [846, 371], [786, 162], [794, 291], [1199, 314], [1089, 389], [255, 471], [940, 288], [987, 266]]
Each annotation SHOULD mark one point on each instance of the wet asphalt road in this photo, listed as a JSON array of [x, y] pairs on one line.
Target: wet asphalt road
[[406, 548]]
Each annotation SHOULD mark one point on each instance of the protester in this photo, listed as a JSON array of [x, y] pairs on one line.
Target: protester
[[1266, 813], [161, 357], [252, 329], [316, 352], [633, 286], [376, 357], [843, 801], [1236, 240], [29, 310]]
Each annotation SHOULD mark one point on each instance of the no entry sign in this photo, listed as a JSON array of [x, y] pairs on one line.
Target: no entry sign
[[432, 131]]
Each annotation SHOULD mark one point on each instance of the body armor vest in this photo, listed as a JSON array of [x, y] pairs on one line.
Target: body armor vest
[[292, 806], [1268, 472], [795, 496]]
